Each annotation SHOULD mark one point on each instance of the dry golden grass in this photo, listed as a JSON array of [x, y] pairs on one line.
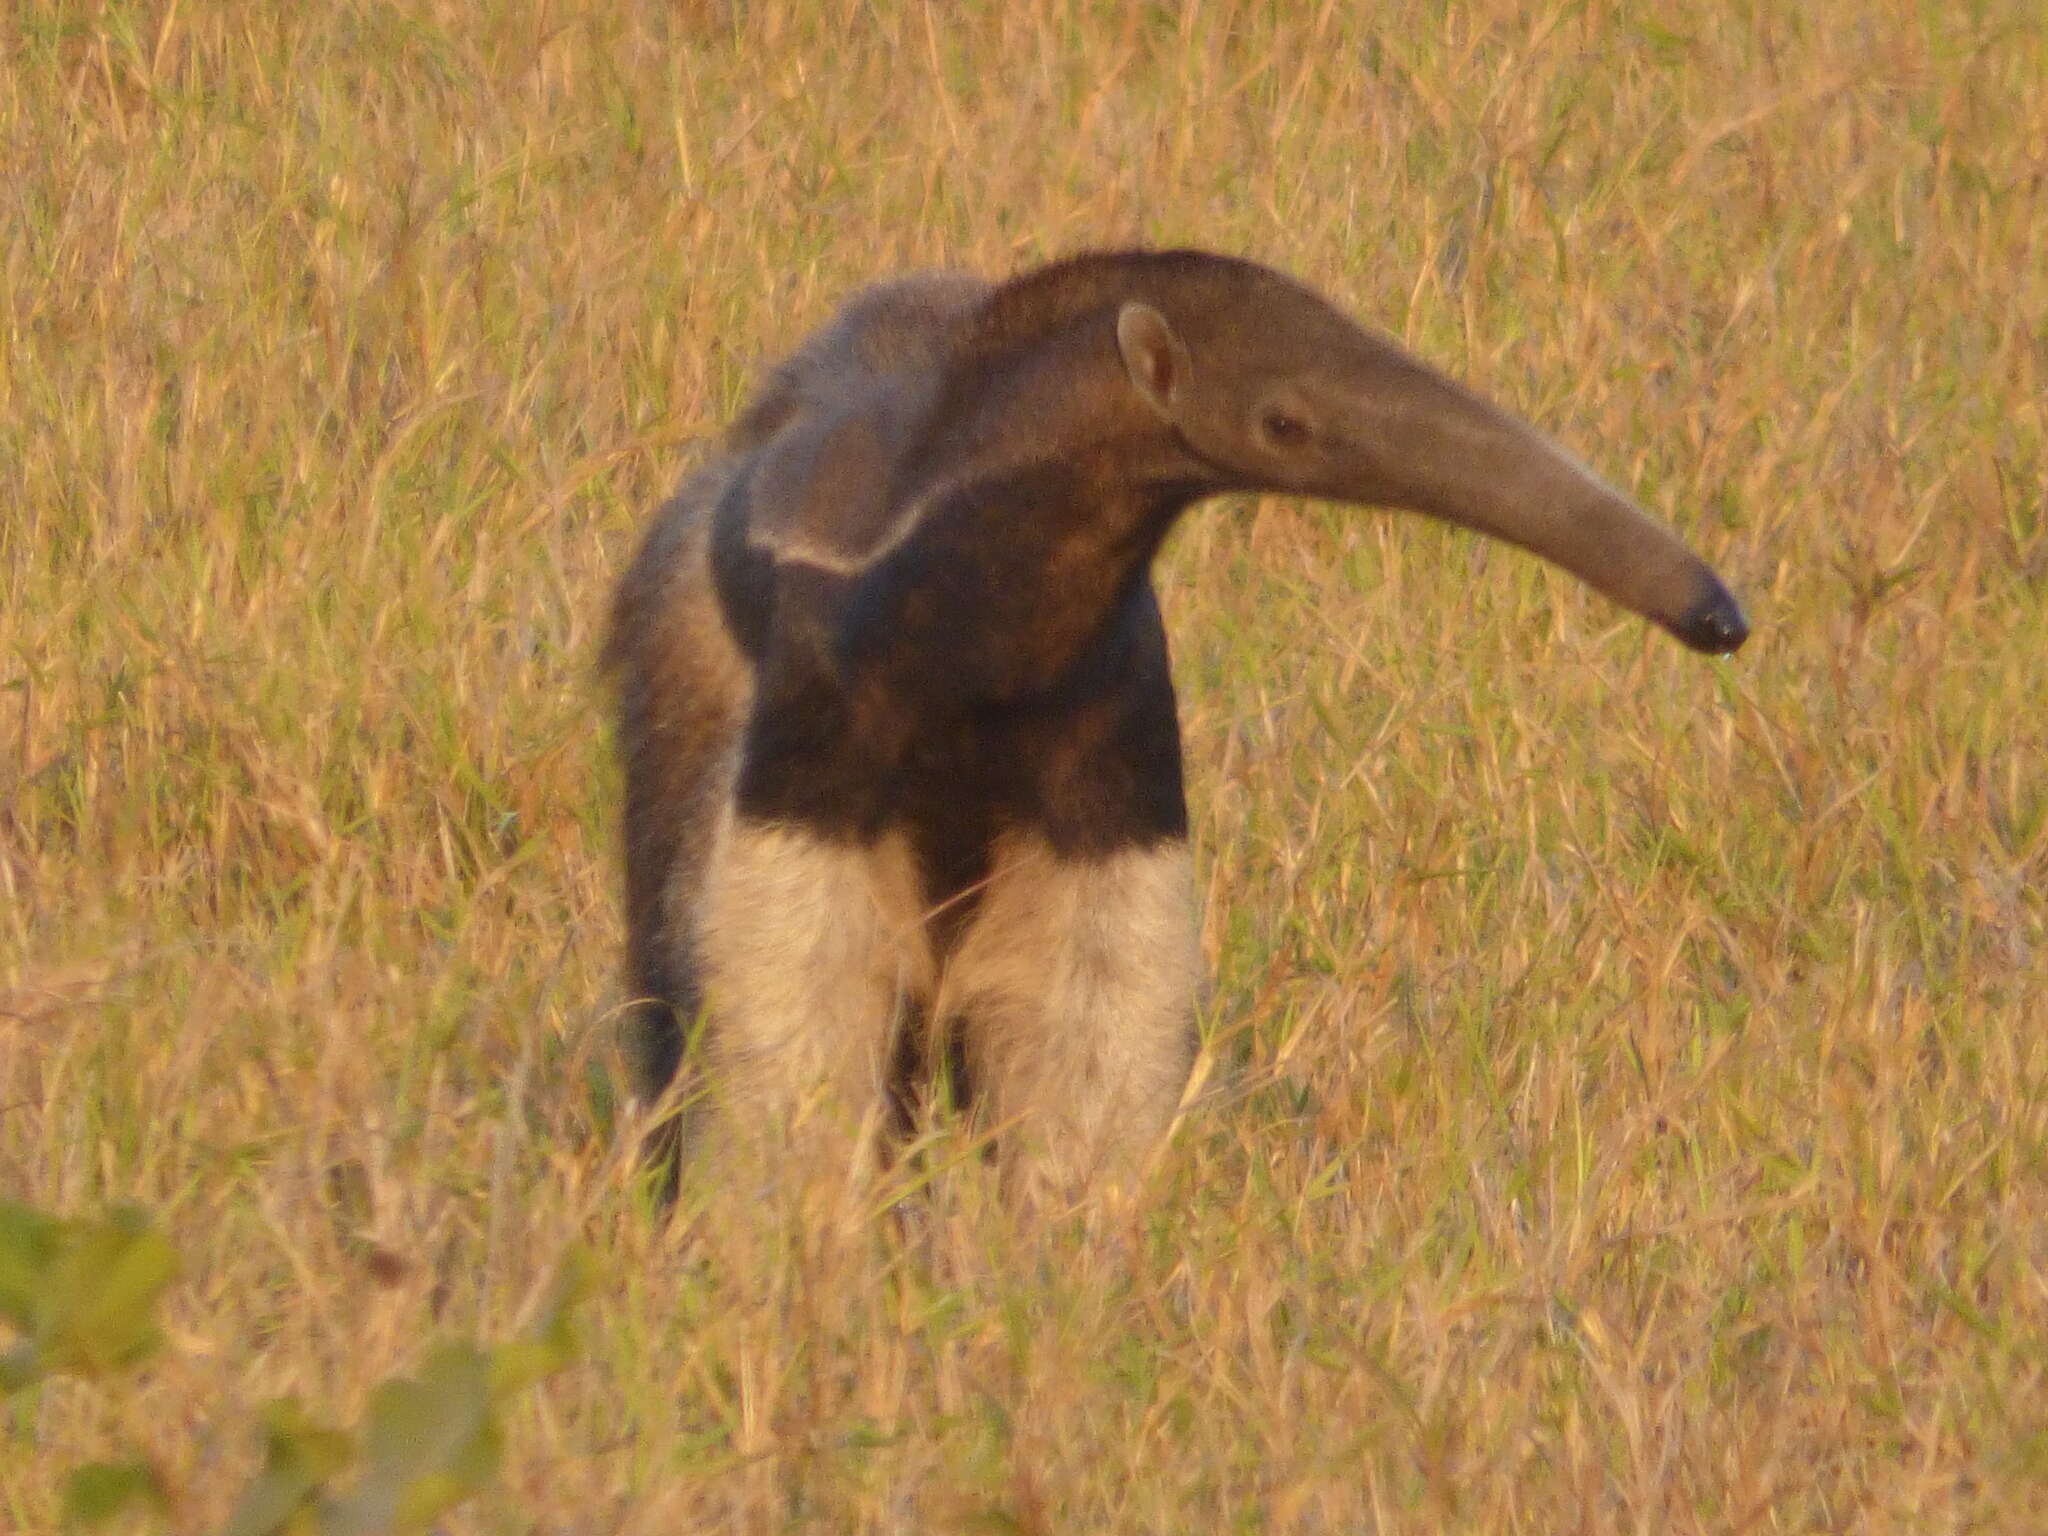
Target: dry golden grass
[[1628, 1096]]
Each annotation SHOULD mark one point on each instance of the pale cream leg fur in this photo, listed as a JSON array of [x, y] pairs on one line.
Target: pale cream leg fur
[[1076, 985], [811, 952]]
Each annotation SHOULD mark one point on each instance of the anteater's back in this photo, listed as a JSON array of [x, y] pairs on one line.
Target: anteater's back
[[684, 684]]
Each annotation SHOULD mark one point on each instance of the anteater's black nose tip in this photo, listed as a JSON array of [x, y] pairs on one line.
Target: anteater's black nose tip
[[1715, 623]]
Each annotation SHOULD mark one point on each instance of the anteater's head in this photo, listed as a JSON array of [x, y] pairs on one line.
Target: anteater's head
[[1268, 387]]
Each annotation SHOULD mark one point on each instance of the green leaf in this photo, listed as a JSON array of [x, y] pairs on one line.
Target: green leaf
[[551, 1344], [82, 1293], [100, 1490], [111, 1275], [28, 1247], [429, 1443], [299, 1457]]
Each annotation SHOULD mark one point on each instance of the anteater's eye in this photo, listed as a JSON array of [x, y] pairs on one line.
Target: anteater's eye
[[1283, 429]]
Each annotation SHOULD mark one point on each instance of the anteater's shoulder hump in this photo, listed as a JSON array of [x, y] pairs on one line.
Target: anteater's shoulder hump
[[905, 325]]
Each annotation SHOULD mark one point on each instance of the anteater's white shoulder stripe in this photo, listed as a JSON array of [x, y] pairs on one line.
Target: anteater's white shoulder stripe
[[797, 546]]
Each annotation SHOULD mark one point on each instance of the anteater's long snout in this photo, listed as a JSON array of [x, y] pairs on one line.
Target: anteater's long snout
[[1431, 445], [1715, 624]]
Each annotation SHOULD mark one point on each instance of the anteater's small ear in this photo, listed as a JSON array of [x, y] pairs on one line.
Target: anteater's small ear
[[1156, 359]]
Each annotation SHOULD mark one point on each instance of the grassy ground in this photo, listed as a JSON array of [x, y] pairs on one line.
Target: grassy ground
[[1629, 1099]]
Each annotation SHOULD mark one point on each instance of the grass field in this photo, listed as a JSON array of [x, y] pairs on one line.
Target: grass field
[[1626, 1088]]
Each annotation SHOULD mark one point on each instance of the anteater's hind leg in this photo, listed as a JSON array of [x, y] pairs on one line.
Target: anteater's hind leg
[[683, 692], [1074, 991], [658, 1024], [813, 954]]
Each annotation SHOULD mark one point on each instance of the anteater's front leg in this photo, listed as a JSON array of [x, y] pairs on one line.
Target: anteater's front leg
[[1074, 992], [813, 950]]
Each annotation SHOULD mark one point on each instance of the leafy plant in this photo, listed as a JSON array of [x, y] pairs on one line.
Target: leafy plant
[[80, 1296], [427, 1442]]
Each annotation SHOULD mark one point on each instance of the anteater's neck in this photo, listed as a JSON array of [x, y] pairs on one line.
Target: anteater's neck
[[1036, 385], [1044, 488]]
